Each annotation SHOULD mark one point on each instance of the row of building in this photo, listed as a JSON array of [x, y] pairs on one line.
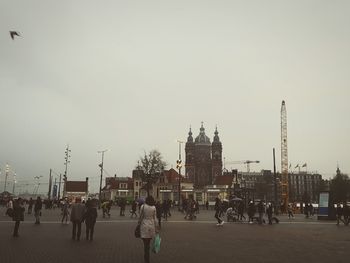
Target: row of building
[[205, 179]]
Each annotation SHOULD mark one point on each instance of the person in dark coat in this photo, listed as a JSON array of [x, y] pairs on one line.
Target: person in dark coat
[[240, 210], [133, 209], [30, 206], [218, 211], [159, 212], [339, 213], [269, 213], [76, 217], [37, 210], [261, 211], [18, 215], [251, 211], [90, 219]]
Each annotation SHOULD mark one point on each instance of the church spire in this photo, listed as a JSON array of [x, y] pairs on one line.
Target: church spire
[[190, 138], [216, 135]]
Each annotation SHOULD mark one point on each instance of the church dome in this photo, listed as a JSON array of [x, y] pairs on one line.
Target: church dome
[[202, 138]]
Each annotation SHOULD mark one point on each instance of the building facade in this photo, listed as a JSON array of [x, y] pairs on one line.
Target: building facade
[[203, 158], [304, 187]]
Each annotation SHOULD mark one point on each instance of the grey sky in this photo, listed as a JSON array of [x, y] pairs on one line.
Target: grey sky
[[131, 76]]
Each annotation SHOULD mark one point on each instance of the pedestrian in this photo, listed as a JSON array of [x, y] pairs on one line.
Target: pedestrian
[[30, 206], [169, 207], [207, 205], [339, 213], [261, 211], [240, 210], [133, 209], [90, 219], [197, 207], [65, 211], [37, 210], [159, 210], [18, 215], [122, 204], [269, 213], [251, 211], [148, 225], [76, 217], [165, 209], [346, 214], [218, 211], [290, 212]]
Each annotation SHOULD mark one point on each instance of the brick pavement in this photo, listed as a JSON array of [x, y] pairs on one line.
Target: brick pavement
[[199, 241]]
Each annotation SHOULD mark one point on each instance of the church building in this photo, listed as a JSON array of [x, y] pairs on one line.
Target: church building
[[203, 158]]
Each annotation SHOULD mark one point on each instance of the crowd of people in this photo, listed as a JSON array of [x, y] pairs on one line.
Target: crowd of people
[[150, 213]]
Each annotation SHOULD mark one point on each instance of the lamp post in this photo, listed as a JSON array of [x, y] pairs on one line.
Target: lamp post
[[66, 158], [179, 165], [6, 175], [101, 166], [14, 184]]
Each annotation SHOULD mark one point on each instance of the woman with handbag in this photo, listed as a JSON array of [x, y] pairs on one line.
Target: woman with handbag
[[148, 225]]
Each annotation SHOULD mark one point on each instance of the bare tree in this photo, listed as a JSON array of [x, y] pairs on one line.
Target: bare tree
[[151, 165]]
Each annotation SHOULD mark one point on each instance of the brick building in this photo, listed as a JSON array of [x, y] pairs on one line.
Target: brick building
[[203, 159]]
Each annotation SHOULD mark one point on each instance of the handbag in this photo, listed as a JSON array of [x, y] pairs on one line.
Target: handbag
[[156, 244], [138, 231]]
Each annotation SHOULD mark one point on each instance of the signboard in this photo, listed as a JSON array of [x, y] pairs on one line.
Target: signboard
[[323, 208]]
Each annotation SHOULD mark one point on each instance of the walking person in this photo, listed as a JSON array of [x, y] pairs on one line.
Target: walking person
[[269, 213], [261, 211], [65, 211], [218, 211], [251, 211], [290, 212], [159, 210], [133, 209], [165, 210], [240, 211], [18, 215], [207, 205], [37, 210], [148, 226], [30, 206], [339, 213], [76, 217], [90, 219]]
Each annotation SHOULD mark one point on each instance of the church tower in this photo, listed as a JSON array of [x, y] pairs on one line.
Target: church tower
[[216, 148], [190, 160]]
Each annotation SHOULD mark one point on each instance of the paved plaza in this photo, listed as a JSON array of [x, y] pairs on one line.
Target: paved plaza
[[298, 240]]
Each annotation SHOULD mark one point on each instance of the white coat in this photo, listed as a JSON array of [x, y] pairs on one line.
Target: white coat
[[148, 221]]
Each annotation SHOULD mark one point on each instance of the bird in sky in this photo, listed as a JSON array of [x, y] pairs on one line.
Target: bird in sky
[[13, 34]]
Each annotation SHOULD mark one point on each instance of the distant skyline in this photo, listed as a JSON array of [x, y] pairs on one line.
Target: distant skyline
[[132, 76]]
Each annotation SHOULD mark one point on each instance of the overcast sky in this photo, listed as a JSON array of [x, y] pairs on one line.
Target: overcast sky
[[131, 76]]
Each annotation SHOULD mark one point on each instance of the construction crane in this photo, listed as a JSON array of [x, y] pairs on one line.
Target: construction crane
[[246, 162], [284, 155]]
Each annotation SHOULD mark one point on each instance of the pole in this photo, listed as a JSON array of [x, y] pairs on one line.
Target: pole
[[54, 194], [6, 175], [14, 184], [59, 188], [101, 165], [65, 172], [179, 164], [50, 183], [275, 180]]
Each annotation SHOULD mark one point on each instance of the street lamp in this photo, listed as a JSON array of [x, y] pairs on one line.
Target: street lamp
[[101, 166], [179, 165], [14, 184], [66, 158]]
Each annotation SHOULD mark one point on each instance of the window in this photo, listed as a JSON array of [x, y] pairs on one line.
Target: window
[[123, 185]]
